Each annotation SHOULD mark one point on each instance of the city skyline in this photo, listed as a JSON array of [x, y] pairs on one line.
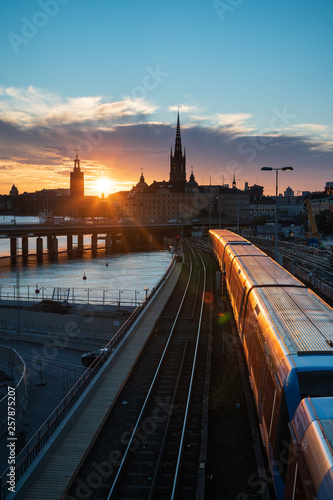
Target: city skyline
[[252, 83]]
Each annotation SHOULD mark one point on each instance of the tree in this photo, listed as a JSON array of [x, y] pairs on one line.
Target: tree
[[324, 222]]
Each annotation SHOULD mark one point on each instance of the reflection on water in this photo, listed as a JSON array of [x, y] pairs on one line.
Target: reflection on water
[[117, 275], [107, 278]]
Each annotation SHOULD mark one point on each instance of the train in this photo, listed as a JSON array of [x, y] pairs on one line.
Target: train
[[286, 331]]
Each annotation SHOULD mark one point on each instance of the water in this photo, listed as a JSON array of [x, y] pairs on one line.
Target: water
[[124, 277]]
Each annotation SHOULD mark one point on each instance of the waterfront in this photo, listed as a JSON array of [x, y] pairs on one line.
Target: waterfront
[[109, 278]]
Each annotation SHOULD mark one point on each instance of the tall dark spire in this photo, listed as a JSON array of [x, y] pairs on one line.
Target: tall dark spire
[[178, 160]]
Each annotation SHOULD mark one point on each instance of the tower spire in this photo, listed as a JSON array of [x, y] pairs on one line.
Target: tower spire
[[177, 163], [76, 161]]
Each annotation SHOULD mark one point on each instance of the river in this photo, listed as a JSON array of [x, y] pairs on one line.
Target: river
[[124, 277]]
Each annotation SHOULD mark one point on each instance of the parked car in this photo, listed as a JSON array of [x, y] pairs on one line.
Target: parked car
[[89, 357]]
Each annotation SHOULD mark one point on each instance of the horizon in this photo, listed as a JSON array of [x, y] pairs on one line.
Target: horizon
[[252, 85]]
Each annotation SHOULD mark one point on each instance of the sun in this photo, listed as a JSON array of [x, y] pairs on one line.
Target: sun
[[104, 185]]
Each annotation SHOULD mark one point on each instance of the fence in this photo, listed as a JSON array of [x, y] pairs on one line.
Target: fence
[[13, 364], [100, 296]]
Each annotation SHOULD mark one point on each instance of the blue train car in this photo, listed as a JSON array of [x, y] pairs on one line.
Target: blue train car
[[310, 471], [287, 334]]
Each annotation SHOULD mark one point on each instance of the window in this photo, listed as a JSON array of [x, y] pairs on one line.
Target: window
[[316, 384]]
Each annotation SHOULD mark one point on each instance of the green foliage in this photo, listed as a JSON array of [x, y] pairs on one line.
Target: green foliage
[[324, 222]]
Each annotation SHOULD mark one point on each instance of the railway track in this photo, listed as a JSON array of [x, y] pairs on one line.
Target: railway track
[[149, 446]]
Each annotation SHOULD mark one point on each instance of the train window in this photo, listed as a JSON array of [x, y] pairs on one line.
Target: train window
[[239, 271], [316, 384], [257, 310]]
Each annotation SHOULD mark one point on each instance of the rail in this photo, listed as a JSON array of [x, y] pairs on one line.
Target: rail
[[186, 396], [38, 441]]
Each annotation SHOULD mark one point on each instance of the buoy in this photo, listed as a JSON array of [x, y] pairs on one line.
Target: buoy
[[37, 289], [84, 276], [107, 264]]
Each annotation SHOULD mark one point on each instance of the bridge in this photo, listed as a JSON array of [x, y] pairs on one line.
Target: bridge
[[125, 233]]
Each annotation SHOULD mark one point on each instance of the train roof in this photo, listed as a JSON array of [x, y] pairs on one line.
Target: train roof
[[312, 429], [228, 236], [310, 410], [302, 320]]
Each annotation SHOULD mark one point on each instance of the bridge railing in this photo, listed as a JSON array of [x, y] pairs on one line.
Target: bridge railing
[[38, 441]]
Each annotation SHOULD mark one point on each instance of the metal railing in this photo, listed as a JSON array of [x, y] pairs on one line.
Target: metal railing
[[38, 441], [14, 362], [87, 295]]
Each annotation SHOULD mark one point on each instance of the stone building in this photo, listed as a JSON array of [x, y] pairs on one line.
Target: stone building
[[161, 201]]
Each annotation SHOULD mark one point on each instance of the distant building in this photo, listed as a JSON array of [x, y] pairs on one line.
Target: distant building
[[288, 192], [13, 191], [232, 205], [162, 200], [329, 188], [76, 181], [320, 204]]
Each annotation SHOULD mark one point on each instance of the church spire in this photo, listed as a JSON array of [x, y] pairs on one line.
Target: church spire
[[177, 163]]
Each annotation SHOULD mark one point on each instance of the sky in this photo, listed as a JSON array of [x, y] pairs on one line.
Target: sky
[[252, 80]]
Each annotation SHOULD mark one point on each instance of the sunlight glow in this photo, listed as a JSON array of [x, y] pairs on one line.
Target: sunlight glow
[[104, 185]]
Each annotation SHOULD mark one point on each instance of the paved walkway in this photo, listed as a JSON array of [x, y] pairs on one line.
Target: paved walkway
[[49, 478]]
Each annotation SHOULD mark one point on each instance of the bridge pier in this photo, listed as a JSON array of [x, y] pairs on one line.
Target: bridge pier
[[108, 243], [54, 247], [25, 247], [49, 243], [69, 243], [39, 248], [80, 242], [13, 247], [94, 243]]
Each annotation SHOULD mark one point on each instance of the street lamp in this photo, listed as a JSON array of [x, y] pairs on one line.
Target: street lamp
[[146, 289], [284, 169]]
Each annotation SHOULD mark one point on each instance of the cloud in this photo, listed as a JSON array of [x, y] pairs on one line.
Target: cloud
[[231, 119], [183, 108], [39, 133], [31, 107]]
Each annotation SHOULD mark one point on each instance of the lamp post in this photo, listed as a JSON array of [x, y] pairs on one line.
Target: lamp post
[[120, 291], [18, 282], [284, 169]]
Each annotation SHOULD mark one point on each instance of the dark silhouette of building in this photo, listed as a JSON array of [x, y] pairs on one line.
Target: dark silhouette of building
[[178, 160], [13, 191], [77, 181]]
